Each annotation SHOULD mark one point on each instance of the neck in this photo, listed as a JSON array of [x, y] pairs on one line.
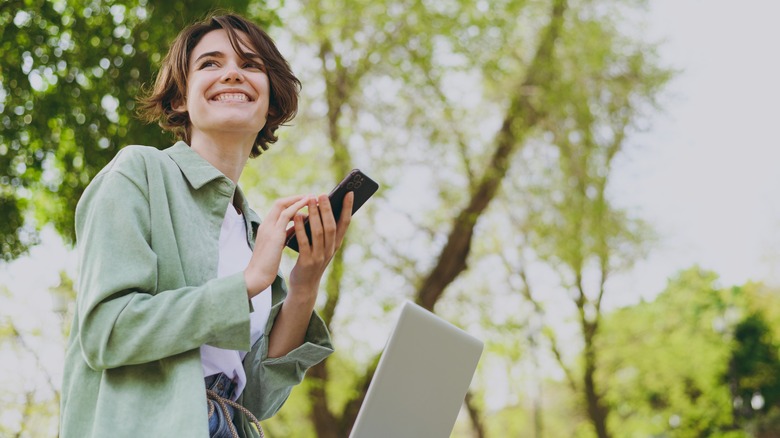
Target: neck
[[227, 153]]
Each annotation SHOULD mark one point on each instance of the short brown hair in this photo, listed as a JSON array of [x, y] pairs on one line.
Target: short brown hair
[[170, 87]]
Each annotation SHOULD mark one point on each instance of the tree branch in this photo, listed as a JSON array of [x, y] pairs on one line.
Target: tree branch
[[525, 290], [521, 116], [475, 415]]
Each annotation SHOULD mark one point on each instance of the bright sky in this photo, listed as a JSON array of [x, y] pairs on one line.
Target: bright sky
[[706, 174]]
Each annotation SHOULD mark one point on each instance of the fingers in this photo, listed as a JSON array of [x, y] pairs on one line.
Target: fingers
[[345, 218], [299, 229], [328, 224], [319, 216], [282, 203], [326, 234], [284, 209]]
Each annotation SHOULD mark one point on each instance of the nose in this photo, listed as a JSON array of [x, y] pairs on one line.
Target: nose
[[232, 74]]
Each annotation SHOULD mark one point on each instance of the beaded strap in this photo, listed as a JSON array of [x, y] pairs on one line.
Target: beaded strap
[[223, 404]]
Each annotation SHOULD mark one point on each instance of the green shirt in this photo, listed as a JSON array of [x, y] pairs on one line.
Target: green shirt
[[147, 230]]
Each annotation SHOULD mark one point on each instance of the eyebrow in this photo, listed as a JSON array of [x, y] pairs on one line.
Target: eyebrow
[[218, 54]]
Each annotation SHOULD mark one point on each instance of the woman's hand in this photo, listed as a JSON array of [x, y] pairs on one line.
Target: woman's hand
[[326, 238], [269, 243], [289, 329]]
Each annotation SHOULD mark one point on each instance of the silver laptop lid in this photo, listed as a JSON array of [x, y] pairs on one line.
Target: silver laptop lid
[[421, 380]]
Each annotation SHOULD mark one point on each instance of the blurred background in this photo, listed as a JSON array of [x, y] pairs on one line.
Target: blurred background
[[589, 186]]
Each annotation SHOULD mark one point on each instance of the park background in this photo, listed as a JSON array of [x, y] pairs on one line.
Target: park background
[[588, 186]]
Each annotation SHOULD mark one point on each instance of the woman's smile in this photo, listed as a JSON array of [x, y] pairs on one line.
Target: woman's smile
[[231, 97]]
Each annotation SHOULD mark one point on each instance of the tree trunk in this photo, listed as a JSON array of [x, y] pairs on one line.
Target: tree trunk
[[597, 412], [321, 416], [521, 116], [475, 415]]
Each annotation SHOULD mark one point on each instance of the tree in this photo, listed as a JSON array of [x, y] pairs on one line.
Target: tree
[[666, 359], [605, 82], [69, 81], [752, 373], [678, 364], [401, 45], [396, 65]]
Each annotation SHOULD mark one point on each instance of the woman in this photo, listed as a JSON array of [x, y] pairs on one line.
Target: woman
[[179, 291]]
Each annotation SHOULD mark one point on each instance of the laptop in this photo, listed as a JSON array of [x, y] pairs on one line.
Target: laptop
[[421, 379]]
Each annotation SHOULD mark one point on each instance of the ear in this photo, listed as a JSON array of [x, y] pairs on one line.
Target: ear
[[179, 105]]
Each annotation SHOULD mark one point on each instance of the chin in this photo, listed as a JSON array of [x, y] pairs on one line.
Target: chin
[[238, 123]]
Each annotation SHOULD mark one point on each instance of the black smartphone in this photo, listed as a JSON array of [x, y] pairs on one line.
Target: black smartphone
[[357, 182]]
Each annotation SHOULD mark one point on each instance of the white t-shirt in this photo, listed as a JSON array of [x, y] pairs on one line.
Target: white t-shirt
[[234, 255]]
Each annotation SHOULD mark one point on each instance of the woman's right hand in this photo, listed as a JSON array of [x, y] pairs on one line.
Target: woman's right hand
[[269, 243]]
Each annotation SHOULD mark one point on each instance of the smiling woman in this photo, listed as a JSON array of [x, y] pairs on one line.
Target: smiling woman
[[227, 92], [254, 52], [183, 325]]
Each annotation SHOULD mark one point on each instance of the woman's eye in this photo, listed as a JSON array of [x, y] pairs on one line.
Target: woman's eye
[[207, 64]]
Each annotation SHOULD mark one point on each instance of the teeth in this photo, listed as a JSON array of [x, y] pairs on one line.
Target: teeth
[[240, 97]]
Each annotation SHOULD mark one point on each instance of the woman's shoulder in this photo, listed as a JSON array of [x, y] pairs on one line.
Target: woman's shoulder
[[137, 154], [132, 165], [136, 160]]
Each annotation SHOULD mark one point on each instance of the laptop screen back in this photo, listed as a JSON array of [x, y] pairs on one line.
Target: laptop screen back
[[421, 380]]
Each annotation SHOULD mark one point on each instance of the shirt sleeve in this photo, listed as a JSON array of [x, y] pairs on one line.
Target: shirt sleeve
[[270, 380], [121, 317]]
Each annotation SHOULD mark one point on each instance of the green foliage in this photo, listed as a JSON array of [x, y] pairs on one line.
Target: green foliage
[[417, 88], [753, 371], [70, 77], [666, 360], [605, 83], [592, 96]]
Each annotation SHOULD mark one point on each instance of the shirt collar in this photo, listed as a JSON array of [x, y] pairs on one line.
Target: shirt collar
[[200, 172], [252, 218], [195, 168]]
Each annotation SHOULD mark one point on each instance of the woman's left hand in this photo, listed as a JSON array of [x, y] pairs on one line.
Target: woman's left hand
[[326, 238], [289, 329]]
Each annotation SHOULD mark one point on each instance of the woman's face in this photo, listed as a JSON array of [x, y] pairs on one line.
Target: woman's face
[[226, 95]]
